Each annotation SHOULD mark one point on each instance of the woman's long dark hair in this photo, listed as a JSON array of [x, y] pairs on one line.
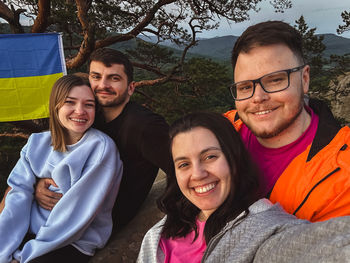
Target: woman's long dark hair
[[181, 213]]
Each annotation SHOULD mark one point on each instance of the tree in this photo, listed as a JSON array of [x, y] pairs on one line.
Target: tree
[[346, 19], [325, 72], [91, 24], [313, 48], [206, 90]]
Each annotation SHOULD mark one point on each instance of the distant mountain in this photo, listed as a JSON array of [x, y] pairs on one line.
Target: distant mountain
[[336, 45], [220, 48], [217, 48]]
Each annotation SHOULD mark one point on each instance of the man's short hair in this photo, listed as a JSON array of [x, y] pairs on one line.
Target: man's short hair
[[268, 33], [109, 57]]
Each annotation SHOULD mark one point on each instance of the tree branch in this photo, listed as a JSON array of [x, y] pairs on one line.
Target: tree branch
[[152, 82], [137, 29], [12, 17], [88, 44], [42, 19]]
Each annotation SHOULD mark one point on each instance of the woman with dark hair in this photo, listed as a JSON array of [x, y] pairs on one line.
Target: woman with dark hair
[[86, 168], [213, 211]]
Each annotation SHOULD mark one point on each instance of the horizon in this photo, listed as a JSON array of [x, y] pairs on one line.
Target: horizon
[[314, 17]]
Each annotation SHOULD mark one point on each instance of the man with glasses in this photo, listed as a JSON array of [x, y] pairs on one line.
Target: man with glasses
[[301, 150]]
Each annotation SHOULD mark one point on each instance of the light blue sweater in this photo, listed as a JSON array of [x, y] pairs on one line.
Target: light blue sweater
[[88, 175]]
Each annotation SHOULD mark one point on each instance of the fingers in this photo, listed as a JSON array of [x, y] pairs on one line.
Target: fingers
[[48, 182], [46, 198]]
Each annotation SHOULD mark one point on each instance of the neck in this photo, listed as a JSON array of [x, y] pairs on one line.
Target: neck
[[290, 134], [72, 138], [110, 113], [204, 215]]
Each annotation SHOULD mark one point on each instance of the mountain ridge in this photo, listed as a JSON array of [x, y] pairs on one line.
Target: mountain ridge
[[220, 48]]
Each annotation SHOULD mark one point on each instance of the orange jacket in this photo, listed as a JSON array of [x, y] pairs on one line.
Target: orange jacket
[[316, 184]]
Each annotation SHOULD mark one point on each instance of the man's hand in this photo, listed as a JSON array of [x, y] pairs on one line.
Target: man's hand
[[46, 198]]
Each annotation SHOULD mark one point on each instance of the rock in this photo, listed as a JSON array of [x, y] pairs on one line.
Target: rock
[[125, 245], [339, 95]]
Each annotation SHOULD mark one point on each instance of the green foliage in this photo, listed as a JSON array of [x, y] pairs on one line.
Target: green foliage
[[206, 89], [313, 46], [152, 54], [323, 70], [346, 19]]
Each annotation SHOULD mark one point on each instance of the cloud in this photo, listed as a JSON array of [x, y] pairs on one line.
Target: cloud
[[325, 17]]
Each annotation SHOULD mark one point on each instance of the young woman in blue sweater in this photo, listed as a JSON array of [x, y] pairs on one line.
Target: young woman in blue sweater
[[86, 168]]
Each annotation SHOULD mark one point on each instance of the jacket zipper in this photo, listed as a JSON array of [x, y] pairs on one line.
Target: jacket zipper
[[227, 227], [313, 188], [319, 182]]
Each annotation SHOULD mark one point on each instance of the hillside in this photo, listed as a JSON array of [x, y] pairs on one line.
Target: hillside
[[336, 45], [220, 48]]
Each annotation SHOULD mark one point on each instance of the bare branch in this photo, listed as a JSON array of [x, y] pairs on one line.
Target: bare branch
[[137, 29], [147, 96], [192, 43], [144, 83], [12, 17], [149, 68]]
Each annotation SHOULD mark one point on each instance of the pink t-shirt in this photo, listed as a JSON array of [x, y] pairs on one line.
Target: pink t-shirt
[[273, 161], [184, 249]]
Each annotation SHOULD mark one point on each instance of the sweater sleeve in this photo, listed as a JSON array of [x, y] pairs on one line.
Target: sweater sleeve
[[15, 218], [327, 241], [82, 217]]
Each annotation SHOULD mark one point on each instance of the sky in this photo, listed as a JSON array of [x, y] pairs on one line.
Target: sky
[[325, 15]]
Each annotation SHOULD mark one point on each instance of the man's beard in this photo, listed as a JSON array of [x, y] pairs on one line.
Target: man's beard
[[282, 127], [116, 102]]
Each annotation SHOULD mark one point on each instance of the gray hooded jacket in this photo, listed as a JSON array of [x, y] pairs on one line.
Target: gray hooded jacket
[[267, 234]]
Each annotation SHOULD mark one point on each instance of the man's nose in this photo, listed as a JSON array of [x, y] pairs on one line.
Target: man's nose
[[259, 93]]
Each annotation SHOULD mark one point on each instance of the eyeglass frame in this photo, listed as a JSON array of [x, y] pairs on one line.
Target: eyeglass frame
[[258, 80]]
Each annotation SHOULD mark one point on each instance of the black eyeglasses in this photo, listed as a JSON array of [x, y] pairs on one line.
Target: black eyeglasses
[[270, 83]]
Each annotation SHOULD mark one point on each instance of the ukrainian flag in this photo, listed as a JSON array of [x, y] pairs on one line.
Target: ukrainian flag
[[29, 66]]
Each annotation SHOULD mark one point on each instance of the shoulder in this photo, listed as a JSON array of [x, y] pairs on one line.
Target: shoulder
[[268, 211], [95, 135], [141, 115], [263, 214], [233, 117], [96, 146], [39, 140], [154, 233], [150, 243], [34, 137]]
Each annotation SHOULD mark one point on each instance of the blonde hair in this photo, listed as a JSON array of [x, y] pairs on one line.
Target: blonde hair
[[59, 93]]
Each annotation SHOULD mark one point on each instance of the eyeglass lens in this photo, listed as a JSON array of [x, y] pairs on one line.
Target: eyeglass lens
[[270, 83]]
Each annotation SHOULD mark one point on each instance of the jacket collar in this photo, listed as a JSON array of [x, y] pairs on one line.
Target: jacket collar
[[327, 129]]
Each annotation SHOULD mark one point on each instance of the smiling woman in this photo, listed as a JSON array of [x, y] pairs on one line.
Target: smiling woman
[[74, 156], [213, 211]]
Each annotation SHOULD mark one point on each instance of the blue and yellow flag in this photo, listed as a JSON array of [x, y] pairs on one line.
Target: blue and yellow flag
[[29, 66]]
